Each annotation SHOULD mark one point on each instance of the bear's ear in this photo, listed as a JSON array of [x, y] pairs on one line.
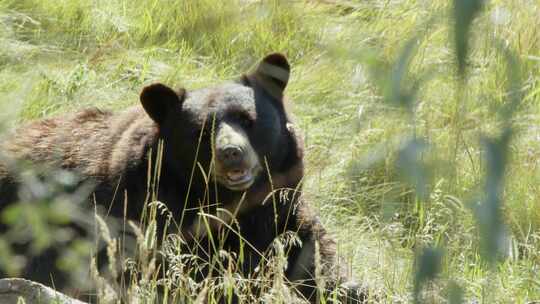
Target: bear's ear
[[158, 100], [272, 74]]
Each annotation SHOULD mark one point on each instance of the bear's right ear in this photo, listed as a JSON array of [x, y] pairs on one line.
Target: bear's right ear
[[158, 100], [272, 73]]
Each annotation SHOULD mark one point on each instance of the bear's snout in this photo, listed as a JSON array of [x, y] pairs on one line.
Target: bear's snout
[[231, 156], [237, 164]]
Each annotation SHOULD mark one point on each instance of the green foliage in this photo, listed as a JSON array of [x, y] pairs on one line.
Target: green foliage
[[464, 13], [428, 267], [402, 152]]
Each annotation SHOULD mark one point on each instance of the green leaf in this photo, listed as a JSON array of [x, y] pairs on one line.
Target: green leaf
[[464, 13], [428, 265], [455, 294], [412, 168], [489, 212]]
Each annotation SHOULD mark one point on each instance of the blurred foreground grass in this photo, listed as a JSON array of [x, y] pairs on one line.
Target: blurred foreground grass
[[366, 147]]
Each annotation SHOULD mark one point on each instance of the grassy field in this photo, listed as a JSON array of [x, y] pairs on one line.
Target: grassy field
[[410, 161]]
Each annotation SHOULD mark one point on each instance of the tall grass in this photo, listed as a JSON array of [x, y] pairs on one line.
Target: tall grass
[[393, 120]]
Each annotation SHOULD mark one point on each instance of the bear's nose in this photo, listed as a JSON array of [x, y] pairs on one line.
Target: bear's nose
[[231, 156]]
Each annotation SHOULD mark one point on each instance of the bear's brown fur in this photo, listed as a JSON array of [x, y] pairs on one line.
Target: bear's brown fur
[[96, 144]]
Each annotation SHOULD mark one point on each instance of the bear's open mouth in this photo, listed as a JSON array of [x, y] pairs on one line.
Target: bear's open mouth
[[238, 179], [237, 176]]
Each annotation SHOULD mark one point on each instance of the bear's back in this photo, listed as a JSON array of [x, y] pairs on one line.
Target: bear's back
[[93, 143]]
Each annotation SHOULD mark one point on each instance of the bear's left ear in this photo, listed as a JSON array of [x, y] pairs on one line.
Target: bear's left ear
[[272, 74], [158, 100]]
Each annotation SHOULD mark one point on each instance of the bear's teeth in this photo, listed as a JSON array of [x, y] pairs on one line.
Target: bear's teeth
[[236, 174]]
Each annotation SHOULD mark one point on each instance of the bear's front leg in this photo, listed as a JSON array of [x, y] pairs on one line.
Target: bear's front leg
[[313, 267]]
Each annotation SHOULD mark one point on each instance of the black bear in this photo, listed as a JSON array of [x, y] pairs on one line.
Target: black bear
[[229, 159]]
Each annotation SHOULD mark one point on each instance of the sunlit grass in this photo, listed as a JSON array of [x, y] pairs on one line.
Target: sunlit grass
[[57, 56]]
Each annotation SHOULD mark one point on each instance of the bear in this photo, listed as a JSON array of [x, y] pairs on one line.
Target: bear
[[223, 158]]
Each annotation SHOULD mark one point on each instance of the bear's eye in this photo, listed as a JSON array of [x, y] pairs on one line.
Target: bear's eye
[[243, 120]]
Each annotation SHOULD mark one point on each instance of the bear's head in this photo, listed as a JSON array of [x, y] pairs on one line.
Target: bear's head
[[238, 131]]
